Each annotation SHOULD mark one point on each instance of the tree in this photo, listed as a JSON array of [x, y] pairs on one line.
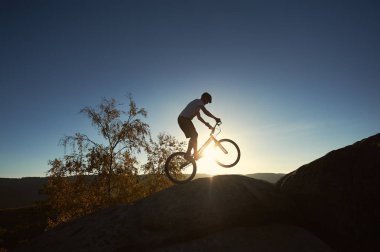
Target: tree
[[112, 162], [157, 153]]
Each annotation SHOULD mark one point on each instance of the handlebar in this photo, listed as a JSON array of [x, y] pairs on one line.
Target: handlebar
[[213, 128]]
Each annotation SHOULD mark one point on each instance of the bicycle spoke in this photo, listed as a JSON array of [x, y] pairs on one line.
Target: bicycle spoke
[[178, 169]]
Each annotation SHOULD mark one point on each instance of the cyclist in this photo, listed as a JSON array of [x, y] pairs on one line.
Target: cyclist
[[187, 126]]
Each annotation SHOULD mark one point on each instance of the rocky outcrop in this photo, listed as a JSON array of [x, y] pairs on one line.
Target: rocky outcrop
[[337, 196], [273, 238], [199, 213]]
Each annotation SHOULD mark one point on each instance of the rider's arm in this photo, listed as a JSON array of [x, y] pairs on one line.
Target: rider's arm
[[209, 114], [203, 121]]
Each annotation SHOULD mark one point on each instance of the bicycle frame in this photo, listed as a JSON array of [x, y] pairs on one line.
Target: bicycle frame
[[212, 139]]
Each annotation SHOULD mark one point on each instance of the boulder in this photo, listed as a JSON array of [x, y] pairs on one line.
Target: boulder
[[337, 195], [179, 215], [273, 238]]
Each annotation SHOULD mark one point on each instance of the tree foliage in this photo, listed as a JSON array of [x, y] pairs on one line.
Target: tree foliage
[[101, 173], [157, 153]]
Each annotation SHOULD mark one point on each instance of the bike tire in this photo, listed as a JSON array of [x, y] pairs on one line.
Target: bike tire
[[174, 169], [234, 148]]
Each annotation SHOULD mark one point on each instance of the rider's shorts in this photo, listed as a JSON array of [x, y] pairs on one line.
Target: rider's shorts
[[187, 127]]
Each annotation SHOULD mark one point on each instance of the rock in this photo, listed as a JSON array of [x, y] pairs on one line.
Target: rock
[[338, 195], [214, 203], [273, 238], [179, 215]]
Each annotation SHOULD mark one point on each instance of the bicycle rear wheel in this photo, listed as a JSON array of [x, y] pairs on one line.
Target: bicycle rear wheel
[[227, 153], [178, 169]]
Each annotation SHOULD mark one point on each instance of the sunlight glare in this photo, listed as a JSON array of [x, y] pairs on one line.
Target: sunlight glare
[[207, 163]]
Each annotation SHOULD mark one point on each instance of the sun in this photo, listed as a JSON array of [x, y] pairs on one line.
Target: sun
[[216, 158], [207, 163]]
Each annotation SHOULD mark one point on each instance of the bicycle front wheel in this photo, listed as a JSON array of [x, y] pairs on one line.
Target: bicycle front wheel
[[227, 153], [178, 169]]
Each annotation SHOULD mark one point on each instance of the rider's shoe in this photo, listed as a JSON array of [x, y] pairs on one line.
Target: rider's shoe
[[197, 156]]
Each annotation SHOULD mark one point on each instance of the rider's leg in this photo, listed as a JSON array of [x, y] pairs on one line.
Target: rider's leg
[[188, 128], [189, 148], [193, 144]]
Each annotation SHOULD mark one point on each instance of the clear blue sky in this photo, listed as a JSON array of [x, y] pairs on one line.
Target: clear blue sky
[[291, 80]]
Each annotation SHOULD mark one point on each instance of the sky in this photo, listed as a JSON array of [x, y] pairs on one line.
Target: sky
[[291, 80]]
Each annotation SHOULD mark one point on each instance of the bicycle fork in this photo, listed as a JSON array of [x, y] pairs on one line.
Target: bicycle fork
[[217, 143]]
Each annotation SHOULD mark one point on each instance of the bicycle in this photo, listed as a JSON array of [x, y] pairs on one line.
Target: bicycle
[[179, 170]]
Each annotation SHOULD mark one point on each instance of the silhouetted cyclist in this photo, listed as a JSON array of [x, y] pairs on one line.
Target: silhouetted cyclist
[[187, 126]]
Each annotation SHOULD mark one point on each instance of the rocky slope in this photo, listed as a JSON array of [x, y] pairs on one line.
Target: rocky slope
[[225, 212], [25, 192], [338, 195]]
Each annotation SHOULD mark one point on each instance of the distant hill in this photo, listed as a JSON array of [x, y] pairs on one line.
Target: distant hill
[[20, 192], [270, 177]]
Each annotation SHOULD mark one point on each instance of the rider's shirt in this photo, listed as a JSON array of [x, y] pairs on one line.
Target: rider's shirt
[[192, 109]]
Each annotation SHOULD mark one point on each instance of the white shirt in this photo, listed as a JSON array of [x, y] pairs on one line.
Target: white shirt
[[192, 109]]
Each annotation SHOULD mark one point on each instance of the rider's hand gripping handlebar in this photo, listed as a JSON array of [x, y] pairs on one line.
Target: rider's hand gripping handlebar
[[219, 122]]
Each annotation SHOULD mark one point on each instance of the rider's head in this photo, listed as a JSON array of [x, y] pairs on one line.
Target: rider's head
[[206, 98]]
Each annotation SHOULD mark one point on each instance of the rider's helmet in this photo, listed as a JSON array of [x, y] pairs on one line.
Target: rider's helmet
[[206, 97]]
